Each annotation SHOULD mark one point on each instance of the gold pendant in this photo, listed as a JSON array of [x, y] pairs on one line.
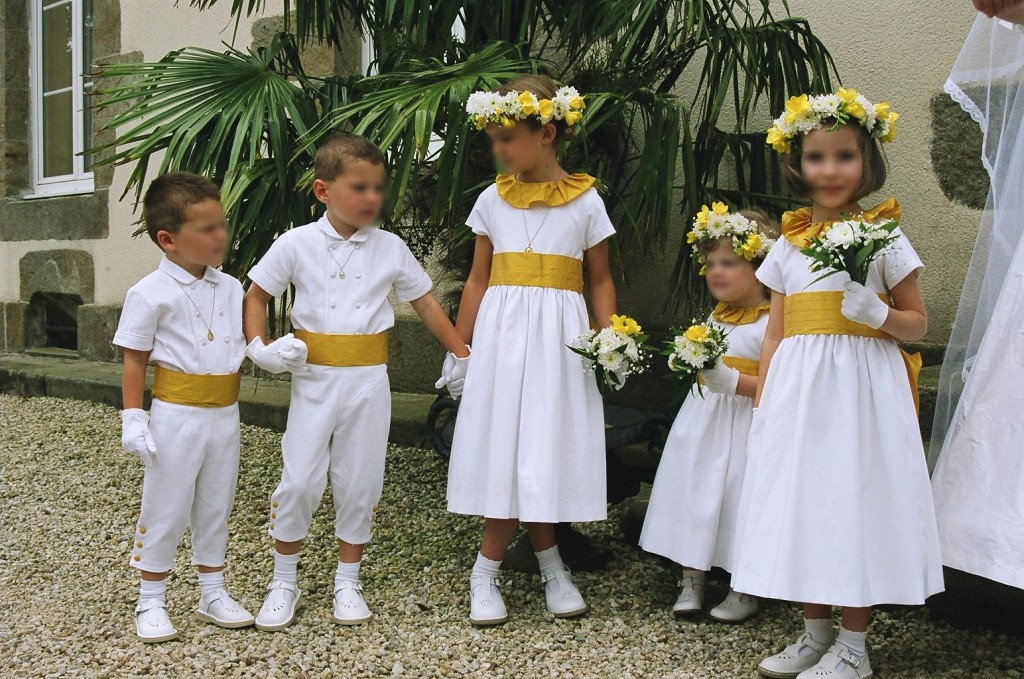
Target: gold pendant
[[209, 335], [528, 249]]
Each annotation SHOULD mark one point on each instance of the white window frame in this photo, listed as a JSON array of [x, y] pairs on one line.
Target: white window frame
[[81, 178]]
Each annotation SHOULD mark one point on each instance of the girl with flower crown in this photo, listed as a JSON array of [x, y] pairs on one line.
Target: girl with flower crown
[[529, 440], [691, 517], [836, 508]]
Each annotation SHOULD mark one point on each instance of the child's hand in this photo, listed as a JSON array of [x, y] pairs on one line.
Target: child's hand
[[283, 354], [453, 374], [721, 379], [135, 436], [861, 305]]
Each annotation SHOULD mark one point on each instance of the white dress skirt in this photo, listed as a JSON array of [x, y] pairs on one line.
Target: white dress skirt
[[529, 438], [836, 505], [691, 518]]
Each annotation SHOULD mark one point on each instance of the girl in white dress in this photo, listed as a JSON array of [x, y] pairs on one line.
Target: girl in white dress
[[836, 508], [691, 517], [529, 441]]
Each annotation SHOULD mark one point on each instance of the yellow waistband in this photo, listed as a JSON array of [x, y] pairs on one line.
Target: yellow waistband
[[200, 391], [820, 313], [345, 350], [537, 270]]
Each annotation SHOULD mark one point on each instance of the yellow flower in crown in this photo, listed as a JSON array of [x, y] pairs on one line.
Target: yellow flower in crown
[[720, 208], [717, 222], [697, 333], [751, 246], [805, 113], [777, 140], [529, 103], [890, 127], [691, 237], [625, 325], [796, 107], [507, 109], [546, 109], [572, 117]]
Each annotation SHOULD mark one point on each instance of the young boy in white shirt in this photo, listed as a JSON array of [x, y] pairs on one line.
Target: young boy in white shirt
[[186, 318], [343, 269]]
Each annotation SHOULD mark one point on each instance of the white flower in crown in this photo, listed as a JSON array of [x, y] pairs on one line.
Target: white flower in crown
[[805, 114], [507, 109], [718, 222]]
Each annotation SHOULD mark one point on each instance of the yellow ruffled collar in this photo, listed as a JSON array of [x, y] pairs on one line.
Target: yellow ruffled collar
[[799, 230], [738, 315], [525, 194]]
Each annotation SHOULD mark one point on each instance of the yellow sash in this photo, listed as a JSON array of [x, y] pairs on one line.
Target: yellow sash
[[199, 391], [537, 270], [819, 313], [746, 366], [342, 351]]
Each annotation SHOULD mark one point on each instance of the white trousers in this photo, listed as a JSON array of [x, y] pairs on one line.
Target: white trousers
[[191, 483], [338, 424]]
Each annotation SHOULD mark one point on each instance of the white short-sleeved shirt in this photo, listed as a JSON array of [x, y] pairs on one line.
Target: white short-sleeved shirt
[[312, 256], [159, 317], [569, 229]]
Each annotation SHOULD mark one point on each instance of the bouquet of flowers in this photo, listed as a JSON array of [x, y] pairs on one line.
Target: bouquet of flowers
[[697, 348], [850, 246], [612, 353]]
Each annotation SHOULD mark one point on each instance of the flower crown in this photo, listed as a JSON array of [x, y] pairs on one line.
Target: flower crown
[[507, 109], [804, 114], [717, 222]]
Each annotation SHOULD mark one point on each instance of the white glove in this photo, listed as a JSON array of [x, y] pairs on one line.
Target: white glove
[[283, 354], [721, 379], [135, 436], [861, 305], [453, 374], [620, 376]]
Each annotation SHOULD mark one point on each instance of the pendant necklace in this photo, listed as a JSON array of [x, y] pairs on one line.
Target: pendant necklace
[[213, 307], [341, 266]]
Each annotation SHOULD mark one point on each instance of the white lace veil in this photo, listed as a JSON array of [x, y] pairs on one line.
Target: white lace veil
[[987, 83]]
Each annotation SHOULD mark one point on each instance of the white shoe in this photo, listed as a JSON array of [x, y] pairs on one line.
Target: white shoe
[[691, 595], [486, 607], [794, 659], [349, 606], [223, 611], [564, 600], [278, 610], [151, 622], [840, 663], [737, 607]]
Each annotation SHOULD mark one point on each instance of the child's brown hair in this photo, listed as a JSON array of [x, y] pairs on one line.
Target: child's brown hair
[[168, 198], [872, 179], [339, 149], [542, 87]]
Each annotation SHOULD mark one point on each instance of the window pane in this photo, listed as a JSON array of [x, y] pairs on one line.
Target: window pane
[[58, 141], [87, 68], [57, 47]]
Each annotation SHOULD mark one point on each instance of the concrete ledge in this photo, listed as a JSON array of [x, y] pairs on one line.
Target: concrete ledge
[[261, 402]]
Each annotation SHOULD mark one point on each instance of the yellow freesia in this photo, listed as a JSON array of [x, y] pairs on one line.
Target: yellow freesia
[[526, 99], [847, 95], [572, 117], [777, 140], [547, 109], [577, 103], [882, 110], [481, 122], [703, 215], [751, 246], [796, 106], [625, 325], [507, 122], [691, 237], [697, 333], [891, 134], [855, 109], [720, 208]]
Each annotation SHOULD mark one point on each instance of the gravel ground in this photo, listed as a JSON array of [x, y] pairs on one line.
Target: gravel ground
[[66, 592]]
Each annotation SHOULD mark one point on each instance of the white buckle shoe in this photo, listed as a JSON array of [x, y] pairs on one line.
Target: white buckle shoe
[[223, 611], [486, 607], [737, 607], [152, 625], [278, 610], [349, 606], [840, 663], [791, 662], [691, 595], [563, 599]]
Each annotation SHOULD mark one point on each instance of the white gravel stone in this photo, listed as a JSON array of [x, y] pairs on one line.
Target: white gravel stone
[[66, 592]]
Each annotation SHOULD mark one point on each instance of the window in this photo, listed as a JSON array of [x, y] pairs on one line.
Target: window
[[61, 44]]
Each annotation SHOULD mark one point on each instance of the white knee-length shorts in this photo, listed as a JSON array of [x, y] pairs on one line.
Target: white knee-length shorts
[[190, 484], [338, 424]]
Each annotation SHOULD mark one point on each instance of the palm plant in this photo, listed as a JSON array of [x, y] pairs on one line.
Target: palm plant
[[672, 87]]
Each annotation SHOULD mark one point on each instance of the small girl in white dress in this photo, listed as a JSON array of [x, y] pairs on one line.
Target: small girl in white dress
[[691, 517], [529, 441], [836, 508]]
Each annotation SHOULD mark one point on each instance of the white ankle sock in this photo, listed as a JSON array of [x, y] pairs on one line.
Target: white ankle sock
[[698, 576], [820, 630], [485, 566], [286, 567], [346, 572], [857, 642], [210, 583], [549, 559], [152, 589]]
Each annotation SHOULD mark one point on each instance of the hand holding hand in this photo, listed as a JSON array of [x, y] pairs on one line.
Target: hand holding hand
[[285, 354], [453, 374]]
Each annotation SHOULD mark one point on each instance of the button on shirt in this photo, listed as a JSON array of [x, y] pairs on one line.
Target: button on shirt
[[159, 318], [373, 262]]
